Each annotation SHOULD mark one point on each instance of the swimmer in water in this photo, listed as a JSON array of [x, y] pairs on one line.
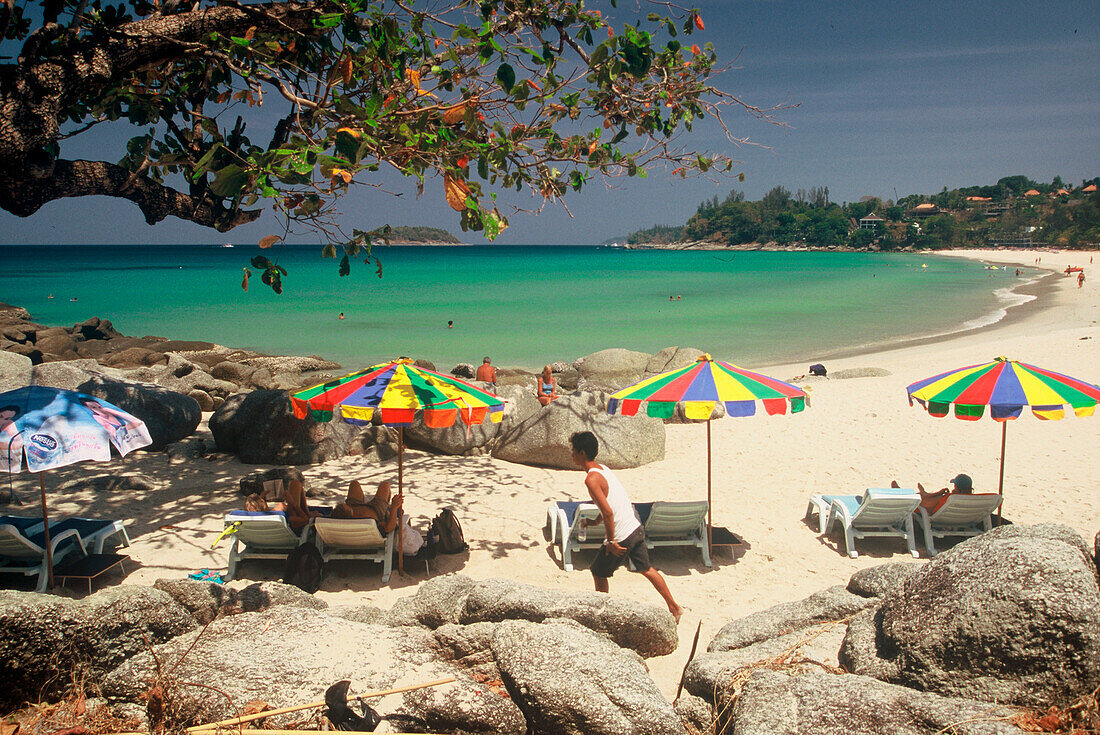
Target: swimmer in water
[[450, 324], [341, 315]]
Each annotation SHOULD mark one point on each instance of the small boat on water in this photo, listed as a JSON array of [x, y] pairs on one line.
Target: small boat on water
[[227, 245]]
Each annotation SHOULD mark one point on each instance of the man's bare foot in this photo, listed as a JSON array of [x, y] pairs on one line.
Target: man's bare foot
[[677, 612]]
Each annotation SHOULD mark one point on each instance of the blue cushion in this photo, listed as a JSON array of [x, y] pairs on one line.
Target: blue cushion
[[83, 526], [21, 523], [570, 507], [890, 491], [256, 513], [851, 502]]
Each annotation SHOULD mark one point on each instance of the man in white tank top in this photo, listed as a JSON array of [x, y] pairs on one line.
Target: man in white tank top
[[625, 535]]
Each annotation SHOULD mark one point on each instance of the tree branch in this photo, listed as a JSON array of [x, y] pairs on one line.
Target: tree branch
[[23, 197]]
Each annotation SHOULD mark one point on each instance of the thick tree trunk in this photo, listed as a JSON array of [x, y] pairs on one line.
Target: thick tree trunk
[[56, 72]]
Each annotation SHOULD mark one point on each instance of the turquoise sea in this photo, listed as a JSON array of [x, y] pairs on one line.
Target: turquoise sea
[[523, 305]]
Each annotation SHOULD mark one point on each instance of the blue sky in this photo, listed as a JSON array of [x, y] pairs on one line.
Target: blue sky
[[891, 97]]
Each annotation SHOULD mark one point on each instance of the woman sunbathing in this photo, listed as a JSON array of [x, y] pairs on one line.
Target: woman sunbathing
[[383, 507], [294, 505]]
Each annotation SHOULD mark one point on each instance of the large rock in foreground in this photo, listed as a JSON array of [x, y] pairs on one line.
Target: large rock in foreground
[[1010, 616], [168, 415], [543, 438], [15, 371], [816, 703], [305, 651], [46, 641], [457, 599], [260, 428], [569, 680]]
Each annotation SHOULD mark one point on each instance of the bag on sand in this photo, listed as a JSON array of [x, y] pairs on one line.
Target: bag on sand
[[304, 568], [448, 533], [411, 540]]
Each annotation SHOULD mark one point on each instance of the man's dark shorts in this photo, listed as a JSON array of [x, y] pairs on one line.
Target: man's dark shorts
[[606, 563]]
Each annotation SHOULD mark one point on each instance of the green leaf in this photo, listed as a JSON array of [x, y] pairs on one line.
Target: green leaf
[[329, 251], [506, 75], [229, 181], [345, 266]]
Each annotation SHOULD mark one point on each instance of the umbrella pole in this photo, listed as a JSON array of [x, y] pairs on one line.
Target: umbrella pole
[[710, 505], [400, 492], [1001, 481], [46, 529]]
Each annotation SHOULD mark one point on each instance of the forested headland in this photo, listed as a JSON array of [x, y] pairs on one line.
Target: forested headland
[[1015, 211], [432, 235]]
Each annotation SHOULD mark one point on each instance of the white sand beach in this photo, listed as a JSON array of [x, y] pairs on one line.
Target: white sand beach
[[858, 433]]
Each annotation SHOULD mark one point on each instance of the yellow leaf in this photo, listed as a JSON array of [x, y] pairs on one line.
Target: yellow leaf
[[268, 241], [453, 115], [339, 173], [414, 77], [350, 131], [456, 192], [250, 33], [345, 69]]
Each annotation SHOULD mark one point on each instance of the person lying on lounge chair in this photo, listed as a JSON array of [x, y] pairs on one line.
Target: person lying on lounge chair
[[931, 502], [294, 505], [384, 508]]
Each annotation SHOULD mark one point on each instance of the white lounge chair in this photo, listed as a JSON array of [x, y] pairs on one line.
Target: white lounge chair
[[355, 538], [567, 532], [960, 515], [260, 536], [678, 524], [880, 512], [23, 550]]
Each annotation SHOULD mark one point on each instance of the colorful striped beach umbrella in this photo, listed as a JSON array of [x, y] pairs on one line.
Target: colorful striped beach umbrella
[[1006, 387], [699, 388], [396, 391]]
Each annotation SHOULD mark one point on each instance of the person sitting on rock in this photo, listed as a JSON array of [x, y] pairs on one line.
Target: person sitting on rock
[[383, 508], [487, 373], [298, 514], [546, 387]]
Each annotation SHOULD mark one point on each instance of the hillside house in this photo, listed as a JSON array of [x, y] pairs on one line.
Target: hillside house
[[924, 210], [870, 221]]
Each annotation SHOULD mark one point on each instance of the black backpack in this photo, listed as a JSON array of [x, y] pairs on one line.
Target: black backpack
[[447, 532], [304, 568]]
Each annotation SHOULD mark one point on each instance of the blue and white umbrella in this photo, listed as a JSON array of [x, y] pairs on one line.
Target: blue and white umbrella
[[45, 428]]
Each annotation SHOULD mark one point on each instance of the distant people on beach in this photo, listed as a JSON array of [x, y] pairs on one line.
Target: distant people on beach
[[625, 534], [487, 373], [1080, 279], [384, 508], [546, 387]]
